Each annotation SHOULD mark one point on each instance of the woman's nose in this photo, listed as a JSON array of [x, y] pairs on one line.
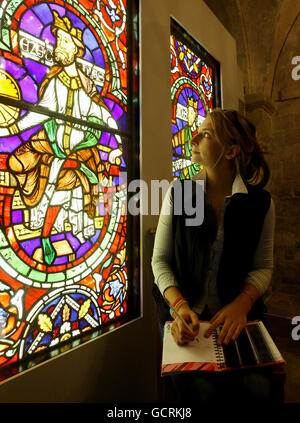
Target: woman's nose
[[194, 140]]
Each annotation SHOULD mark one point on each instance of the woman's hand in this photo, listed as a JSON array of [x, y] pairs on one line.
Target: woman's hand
[[181, 334], [233, 317]]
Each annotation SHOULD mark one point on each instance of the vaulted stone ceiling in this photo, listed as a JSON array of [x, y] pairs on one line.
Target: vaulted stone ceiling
[[267, 34]]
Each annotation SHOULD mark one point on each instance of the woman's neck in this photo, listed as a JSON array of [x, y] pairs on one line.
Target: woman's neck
[[219, 181]]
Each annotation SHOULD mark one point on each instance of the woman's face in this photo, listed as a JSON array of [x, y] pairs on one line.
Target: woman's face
[[205, 148]]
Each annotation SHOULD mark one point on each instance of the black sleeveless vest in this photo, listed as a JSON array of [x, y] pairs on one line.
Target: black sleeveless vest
[[243, 222]]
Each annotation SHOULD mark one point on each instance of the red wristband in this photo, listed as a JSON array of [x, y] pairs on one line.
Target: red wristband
[[177, 301]]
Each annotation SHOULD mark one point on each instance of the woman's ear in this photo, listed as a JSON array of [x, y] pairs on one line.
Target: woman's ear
[[232, 151]]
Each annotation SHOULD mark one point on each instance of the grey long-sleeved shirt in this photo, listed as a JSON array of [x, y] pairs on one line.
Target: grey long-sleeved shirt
[[259, 276]]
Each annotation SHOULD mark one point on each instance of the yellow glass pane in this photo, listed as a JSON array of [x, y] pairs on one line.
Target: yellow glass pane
[[8, 88]]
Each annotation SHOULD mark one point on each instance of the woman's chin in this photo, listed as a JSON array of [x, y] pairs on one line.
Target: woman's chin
[[195, 159]]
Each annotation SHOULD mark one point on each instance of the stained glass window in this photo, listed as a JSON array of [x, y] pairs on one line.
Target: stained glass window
[[66, 100], [194, 92]]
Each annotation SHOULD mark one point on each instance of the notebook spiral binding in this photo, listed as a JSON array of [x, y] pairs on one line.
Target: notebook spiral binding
[[218, 350]]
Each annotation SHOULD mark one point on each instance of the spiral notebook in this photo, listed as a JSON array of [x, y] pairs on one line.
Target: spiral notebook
[[254, 347]]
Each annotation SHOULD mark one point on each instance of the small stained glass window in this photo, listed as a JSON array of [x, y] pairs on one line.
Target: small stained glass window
[[194, 92]]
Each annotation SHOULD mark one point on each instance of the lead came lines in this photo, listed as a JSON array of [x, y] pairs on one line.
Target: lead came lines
[[76, 307]]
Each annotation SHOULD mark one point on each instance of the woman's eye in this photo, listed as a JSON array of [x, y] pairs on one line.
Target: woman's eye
[[206, 135]]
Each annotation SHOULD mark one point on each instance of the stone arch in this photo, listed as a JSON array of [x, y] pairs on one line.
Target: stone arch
[[286, 38]]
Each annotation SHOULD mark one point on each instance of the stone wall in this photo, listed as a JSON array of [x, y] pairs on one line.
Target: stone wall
[[285, 158], [285, 188], [267, 34]]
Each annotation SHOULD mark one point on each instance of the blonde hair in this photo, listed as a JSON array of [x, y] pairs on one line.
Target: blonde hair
[[231, 127]]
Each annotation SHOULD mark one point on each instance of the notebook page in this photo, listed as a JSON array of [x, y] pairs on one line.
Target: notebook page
[[200, 350], [271, 344]]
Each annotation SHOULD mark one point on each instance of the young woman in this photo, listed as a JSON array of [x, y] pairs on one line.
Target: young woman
[[219, 270]]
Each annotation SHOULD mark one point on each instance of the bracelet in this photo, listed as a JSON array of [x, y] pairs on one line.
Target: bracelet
[[249, 295], [179, 304], [177, 301]]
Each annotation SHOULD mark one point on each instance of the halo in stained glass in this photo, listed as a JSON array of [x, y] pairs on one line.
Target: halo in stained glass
[[8, 88]]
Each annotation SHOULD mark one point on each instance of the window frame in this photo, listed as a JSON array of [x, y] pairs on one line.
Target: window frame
[[181, 34]]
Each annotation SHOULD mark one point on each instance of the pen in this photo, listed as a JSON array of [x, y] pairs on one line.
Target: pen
[[179, 317]]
